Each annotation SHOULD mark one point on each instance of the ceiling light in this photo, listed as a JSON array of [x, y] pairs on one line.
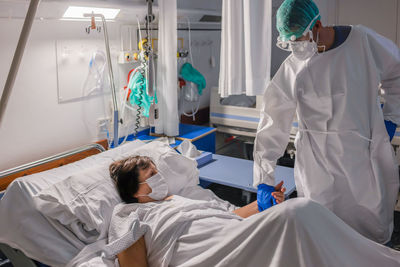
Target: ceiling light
[[76, 12]]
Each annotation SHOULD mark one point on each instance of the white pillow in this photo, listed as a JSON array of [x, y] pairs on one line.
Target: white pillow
[[179, 171], [84, 201]]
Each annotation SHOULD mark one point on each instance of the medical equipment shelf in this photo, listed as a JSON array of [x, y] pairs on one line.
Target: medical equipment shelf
[[194, 132], [202, 137], [238, 173]]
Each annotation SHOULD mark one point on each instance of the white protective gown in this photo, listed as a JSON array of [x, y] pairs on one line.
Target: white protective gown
[[344, 157]]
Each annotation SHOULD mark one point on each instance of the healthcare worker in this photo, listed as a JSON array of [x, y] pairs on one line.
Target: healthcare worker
[[331, 79]]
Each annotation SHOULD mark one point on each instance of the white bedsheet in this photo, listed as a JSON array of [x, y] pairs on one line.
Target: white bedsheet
[[298, 232]]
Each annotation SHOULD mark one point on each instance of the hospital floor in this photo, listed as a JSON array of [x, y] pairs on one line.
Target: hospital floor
[[238, 148]]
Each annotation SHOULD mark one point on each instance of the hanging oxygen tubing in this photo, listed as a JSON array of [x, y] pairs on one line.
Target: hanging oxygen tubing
[[140, 90], [190, 74]]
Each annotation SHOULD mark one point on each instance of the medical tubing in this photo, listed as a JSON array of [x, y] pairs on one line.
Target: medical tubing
[[140, 33], [191, 61], [100, 74], [121, 37], [141, 92], [123, 106], [140, 101], [193, 112], [124, 100], [100, 81], [190, 41]]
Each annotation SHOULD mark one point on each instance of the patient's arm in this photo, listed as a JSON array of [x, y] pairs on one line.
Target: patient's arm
[[134, 256], [247, 210], [252, 208]]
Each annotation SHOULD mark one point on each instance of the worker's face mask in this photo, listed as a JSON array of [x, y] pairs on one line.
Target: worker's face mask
[[158, 185], [304, 50]]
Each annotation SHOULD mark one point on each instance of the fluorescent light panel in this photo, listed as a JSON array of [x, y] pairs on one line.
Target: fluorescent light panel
[[76, 12]]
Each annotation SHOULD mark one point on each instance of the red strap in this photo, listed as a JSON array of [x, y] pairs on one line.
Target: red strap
[[129, 74], [130, 91]]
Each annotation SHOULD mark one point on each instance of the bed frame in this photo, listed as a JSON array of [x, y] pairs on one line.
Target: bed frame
[[242, 121], [234, 120], [17, 257]]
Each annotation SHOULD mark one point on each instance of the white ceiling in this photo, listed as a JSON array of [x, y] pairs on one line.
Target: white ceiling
[[52, 9]]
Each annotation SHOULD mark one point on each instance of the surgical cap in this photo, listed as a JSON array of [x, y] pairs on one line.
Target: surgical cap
[[293, 17]]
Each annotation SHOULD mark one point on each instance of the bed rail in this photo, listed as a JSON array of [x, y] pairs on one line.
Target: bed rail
[[12, 173]]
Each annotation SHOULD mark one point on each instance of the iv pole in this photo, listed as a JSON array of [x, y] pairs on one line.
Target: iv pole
[[110, 74], [19, 52]]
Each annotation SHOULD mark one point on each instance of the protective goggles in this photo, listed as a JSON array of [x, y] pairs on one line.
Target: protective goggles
[[286, 45]]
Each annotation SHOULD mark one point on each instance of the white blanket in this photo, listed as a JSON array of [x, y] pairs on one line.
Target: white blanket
[[156, 221], [298, 232]]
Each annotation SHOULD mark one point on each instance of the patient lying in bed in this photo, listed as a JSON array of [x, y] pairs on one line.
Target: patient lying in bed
[[158, 229]]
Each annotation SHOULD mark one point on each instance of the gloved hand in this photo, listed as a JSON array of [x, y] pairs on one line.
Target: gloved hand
[[390, 128], [264, 198]]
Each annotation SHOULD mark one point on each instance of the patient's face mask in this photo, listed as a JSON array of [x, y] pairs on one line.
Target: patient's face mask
[[158, 185]]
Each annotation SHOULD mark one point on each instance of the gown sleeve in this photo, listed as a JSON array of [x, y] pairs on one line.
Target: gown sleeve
[[387, 59], [273, 131]]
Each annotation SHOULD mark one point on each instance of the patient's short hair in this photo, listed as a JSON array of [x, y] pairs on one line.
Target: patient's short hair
[[125, 174]]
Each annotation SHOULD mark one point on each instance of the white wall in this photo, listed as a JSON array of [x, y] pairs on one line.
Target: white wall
[[35, 124], [382, 16]]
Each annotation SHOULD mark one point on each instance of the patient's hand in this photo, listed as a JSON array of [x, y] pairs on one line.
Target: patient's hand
[[169, 197], [279, 193]]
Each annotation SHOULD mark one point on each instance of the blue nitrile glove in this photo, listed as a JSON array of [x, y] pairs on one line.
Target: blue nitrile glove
[[390, 128], [264, 198]]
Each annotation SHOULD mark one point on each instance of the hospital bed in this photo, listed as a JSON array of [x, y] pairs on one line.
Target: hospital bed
[[235, 120], [26, 233], [238, 118], [243, 120]]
